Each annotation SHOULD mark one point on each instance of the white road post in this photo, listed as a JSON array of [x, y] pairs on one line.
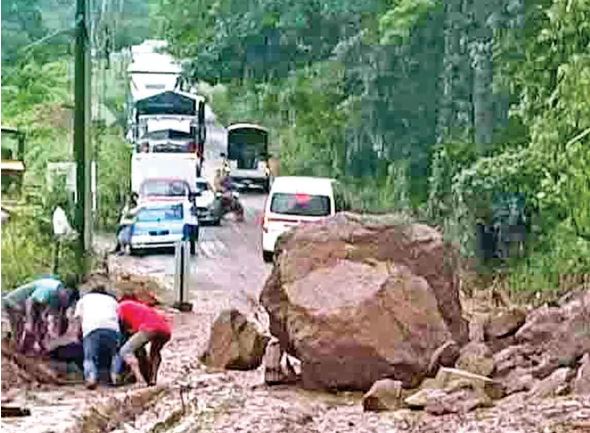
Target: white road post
[[182, 275]]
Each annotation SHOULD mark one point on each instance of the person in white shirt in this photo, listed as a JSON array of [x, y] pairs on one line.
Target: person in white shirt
[[101, 336]]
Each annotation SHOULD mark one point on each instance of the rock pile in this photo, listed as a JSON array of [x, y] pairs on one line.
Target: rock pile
[[358, 301], [544, 353]]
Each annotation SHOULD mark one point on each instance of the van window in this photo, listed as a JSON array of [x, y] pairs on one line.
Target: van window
[[300, 204]]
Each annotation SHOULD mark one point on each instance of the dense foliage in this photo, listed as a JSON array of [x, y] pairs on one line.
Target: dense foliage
[[37, 98], [437, 107]]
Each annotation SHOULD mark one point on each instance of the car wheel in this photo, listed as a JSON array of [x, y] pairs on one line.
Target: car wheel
[[217, 222], [268, 256]]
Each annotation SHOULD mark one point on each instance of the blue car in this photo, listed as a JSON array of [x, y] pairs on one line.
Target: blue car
[[160, 224]]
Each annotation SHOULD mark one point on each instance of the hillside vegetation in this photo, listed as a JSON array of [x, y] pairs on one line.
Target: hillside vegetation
[[439, 108]]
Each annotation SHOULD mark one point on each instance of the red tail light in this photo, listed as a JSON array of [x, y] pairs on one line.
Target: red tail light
[[192, 147]]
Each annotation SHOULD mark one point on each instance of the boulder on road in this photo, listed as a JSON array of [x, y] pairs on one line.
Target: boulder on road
[[235, 343], [385, 394], [357, 301]]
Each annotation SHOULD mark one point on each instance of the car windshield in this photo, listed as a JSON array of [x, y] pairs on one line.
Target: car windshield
[[164, 188], [300, 204], [202, 186], [161, 213]]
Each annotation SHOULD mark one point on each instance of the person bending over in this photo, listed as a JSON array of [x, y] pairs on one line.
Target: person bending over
[[145, 325]]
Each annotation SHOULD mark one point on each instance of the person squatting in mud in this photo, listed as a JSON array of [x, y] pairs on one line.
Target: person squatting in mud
[[144, 325], [99, 327], [30, 306]]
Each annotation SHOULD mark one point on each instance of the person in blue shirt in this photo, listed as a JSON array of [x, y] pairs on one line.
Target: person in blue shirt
[[35, 302]]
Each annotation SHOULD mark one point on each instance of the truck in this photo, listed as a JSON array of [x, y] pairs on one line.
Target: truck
[[169, 137], [149, 165], [247, 158]]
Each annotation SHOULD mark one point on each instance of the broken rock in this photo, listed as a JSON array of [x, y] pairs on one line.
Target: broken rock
[[357, 302], [505, 323], [553, 385], [439, 402], [279, 367], [385, 394], [581, 384], [560, 335], [235, 343], [453, 378], [444, 356], [517, 380], [476, 358]]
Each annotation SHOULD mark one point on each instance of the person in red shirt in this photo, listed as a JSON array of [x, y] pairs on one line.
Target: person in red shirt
[[145, 325]]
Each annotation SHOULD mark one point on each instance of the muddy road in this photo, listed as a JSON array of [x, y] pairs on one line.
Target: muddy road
[[229, 272]]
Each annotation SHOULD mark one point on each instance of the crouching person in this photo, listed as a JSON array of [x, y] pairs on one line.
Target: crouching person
[[145, 325], [49, 298], [97, 314]]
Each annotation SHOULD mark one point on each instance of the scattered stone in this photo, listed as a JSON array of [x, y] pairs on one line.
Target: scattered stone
[[560, 335], [385, 394], [505, 323], [554, 385], [439, 402], [444, 356], [476, 358], [459, 401], [235, 343], [358, 301], [279, 367], [452, 378], [519, 356], [517, 380], [581, 384], [423, 397]]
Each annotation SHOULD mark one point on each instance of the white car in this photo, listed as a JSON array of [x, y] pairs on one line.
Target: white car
[[160, 224], [294, 200], [208, 204]]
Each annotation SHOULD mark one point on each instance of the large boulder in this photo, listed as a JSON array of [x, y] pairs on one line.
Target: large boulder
[[236, 343], [359, 301]]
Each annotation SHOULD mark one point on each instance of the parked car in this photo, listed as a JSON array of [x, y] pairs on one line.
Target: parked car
[[208, 202], [294, 200], [160, 224]]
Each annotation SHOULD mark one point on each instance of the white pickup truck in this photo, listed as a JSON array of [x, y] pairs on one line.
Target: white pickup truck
[[148, 165]]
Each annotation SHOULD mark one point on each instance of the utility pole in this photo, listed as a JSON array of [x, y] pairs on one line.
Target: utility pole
[[81, 142]]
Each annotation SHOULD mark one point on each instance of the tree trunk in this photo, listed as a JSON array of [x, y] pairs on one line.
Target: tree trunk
[[455, 114]]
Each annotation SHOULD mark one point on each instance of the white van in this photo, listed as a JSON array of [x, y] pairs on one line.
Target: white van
[[294, 200]]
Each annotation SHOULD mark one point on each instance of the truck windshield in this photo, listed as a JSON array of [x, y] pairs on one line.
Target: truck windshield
[[162, 213], [300, 204], [164, 188]]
